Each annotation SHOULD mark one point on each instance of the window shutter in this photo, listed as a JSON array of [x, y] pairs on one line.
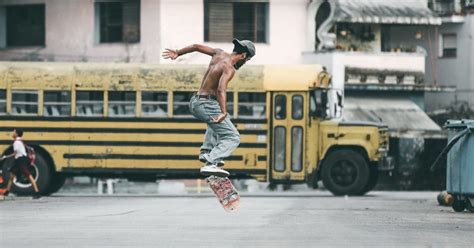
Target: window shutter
[[449, 41], [131, 21], [220, 22]]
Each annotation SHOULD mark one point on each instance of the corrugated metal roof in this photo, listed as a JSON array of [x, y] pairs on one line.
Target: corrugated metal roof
[[385, 11], [401, 115]]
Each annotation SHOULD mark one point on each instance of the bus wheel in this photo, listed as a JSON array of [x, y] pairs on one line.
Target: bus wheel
[[40, 172], [373, 179], [345, 172], [57, 183]]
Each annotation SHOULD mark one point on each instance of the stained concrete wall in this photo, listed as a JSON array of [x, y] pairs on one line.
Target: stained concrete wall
[[70, 35]]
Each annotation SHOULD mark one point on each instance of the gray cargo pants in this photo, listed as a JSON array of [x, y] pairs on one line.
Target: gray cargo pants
[[222, 138]]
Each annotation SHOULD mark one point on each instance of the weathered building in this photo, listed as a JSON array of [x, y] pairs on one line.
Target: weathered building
[[138, 30], [454, 60], [384, 55]]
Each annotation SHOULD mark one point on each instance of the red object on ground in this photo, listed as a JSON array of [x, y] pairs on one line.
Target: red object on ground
[[3, 186]]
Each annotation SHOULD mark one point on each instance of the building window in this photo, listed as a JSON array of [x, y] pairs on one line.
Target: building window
[[448, 46], [25, 25], [122, 103], [118, 21], [57, 103], [252, 105], [89, 103], [24, 102], [3, 102], [240, 19], [181, 103], [154, 104], [230, 103]]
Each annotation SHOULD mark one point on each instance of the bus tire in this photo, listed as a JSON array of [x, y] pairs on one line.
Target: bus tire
[[345, 172], [373, 179], [57, 183], [41, 172]]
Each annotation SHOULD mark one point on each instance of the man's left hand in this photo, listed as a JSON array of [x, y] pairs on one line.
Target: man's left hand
[[170, 54], [219, 118]]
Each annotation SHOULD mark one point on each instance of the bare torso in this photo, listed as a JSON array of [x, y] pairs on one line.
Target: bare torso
[[219, 63]]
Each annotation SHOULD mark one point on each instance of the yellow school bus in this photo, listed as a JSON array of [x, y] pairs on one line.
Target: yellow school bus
[[133, 121]]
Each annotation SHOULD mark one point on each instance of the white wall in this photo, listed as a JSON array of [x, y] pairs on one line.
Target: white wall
[[286, 35]]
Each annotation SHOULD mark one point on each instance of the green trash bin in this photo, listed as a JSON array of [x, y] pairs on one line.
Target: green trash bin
[[460, 163]]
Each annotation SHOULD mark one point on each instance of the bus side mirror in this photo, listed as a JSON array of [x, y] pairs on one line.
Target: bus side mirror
[[336, 104]]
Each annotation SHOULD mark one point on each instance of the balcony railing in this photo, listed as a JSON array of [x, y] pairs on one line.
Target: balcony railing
[[354, 75], [387, 68], [446, 8]]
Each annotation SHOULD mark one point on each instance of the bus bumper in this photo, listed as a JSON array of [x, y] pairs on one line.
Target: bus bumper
[[386, 163]]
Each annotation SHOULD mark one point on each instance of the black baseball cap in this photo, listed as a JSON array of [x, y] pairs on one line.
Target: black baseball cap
[[246, 44]]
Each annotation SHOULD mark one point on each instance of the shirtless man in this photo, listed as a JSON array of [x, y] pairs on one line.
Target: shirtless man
[[209, 104]]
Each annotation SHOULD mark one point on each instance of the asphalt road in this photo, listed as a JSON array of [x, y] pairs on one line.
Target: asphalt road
[[381, 219]]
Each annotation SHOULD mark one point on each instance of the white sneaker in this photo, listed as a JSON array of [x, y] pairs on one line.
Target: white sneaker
[[204, 157], [213, 170]]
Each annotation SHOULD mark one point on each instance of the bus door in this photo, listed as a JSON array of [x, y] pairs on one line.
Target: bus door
[[287, 136]]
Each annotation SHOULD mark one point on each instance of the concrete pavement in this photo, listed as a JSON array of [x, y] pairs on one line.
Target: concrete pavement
[[381, 219]]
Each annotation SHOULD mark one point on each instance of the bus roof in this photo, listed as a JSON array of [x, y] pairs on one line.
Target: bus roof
[[124, 76]]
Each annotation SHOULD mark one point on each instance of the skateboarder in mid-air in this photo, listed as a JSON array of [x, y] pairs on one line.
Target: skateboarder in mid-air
[[209, 104]]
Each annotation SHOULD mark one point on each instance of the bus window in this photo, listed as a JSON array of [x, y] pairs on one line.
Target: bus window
[[280, 107], [252, 105], [89, 103], [154, 104], [230, 103], [57, 103], [122, 103], [297, 107], [3, 101], [280, 148], [181, 103], [296, 148], [24, 102]]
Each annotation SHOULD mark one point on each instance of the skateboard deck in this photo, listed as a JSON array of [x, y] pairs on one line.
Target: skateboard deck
[[225, 192]]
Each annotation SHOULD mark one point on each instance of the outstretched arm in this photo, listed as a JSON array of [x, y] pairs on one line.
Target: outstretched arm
[[8, 156], [227, 75], [173, 54]]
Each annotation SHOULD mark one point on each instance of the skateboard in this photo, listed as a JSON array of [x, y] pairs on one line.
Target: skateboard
[[225, 192]]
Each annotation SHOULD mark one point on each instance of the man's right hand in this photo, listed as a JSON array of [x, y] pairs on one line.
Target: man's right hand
[[170, 54]]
